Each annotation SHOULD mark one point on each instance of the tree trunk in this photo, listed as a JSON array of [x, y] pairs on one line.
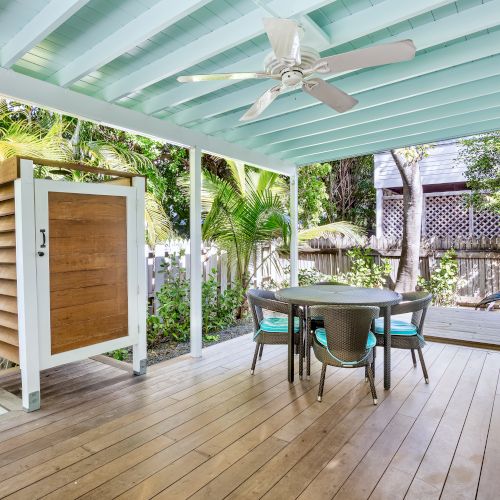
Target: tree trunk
[[407, 276]]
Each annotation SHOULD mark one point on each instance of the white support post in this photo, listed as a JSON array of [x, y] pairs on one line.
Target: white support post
[[27, 304], [379, 213], [195, 249], [140, 349], [294, 223]]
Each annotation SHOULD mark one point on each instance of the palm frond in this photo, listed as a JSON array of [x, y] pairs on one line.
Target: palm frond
[[341, 228]]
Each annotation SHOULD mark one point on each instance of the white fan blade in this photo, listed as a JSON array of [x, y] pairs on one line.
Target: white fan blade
[[261, 103], [221, 76], [329, 94], [386, 53], [284, 37]]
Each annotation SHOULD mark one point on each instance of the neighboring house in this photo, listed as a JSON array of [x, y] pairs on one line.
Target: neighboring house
[[445, 212]]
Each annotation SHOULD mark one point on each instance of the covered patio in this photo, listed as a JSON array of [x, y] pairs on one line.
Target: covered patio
[[199, 425]]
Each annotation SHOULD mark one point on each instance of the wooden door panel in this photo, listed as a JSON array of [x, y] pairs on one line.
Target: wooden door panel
[[88, 269]]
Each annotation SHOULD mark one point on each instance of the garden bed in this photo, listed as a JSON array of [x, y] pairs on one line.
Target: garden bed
[[163, 350]]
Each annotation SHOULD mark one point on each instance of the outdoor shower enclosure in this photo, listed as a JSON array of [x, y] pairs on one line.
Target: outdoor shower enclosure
[[72, 268]]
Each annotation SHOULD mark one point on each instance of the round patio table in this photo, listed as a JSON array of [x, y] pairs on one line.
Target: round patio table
[[340, 295]]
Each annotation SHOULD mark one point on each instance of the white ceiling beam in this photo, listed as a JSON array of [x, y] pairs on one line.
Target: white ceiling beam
[[228, 36], [381, 16], [160, 16], [471, 128], [449, 28], [27, 89], [55, 13], [404, 132], [388, 115], [417, 122]]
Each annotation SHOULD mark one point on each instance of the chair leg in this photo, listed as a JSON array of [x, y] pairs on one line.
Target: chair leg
[[300, 348], [322, 382], [413, 358], [424, 368], [372, 384], [256, 353], [374, 350], [260, 351], [308, 353], [366, 373]]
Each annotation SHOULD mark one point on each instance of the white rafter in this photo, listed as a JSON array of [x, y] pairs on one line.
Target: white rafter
[[228, 36], [384, 14], [425, 36], [27, 89], [162, 15], [46, 21]]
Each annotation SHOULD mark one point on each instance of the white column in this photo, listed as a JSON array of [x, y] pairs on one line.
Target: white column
[[379, 213], [195, 250], [140, 348], [27, 303], [294, 224]]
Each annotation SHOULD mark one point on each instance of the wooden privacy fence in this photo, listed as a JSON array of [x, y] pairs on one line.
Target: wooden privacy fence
[[478, 262]]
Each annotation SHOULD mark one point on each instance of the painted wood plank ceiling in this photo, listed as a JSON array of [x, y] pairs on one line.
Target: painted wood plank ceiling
[[130, 52]]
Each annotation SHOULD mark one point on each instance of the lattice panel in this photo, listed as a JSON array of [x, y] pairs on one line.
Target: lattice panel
[[446, 216], [392, 221], [486, 224]]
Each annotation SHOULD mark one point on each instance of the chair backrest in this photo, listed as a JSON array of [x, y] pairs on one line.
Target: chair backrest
[[416, 303], [331, 283], [261, 300], [347, 329]]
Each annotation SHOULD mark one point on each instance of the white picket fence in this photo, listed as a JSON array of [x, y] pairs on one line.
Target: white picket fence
[[214, 262]]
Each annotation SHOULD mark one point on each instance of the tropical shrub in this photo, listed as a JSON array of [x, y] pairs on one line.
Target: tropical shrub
[[443, 281], [171, 320], [365, 272]]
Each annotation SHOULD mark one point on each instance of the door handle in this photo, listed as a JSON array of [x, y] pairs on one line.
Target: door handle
[[44, 241], [41, 254]]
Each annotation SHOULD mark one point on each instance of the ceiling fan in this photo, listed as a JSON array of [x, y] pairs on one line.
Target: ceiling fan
[[294, 65]]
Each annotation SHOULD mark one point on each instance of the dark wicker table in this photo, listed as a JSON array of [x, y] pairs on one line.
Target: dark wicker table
[[340, 295]]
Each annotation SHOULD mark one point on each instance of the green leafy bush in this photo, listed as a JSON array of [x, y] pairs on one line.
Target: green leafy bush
[[171, 320], [443, 281], [365, 271]]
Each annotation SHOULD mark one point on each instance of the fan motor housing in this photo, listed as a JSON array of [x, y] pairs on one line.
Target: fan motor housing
[[278, 67]]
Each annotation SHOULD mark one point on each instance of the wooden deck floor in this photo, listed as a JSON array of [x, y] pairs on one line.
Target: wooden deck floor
[[465, 326], [207, 429]]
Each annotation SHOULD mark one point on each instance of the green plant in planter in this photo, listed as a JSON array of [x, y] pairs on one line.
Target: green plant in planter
[[443, 281]]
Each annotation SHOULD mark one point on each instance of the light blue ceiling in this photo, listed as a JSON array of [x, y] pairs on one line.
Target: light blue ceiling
[[131, 51]]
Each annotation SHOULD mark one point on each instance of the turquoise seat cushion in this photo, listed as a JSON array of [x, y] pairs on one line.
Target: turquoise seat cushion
[[321, 338], [398, 327], [274, 324]]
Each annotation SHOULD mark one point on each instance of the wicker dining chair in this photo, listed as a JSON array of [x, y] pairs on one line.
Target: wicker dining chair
[[346, 340], [272, 329], [317, 321], [408, 335]]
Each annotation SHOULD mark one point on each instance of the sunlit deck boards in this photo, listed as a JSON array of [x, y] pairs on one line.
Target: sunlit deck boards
[[464, 326], [206, 428]]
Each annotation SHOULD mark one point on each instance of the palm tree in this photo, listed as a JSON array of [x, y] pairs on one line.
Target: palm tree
[[27, 131], [249, 208]]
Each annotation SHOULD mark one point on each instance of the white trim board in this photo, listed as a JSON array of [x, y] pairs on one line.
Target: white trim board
[[27, 89]]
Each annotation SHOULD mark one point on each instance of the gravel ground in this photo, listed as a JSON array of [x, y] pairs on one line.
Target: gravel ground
[[168, 350]]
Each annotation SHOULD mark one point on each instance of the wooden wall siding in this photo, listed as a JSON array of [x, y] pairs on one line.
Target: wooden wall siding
[[88, 269], [9, 339], [441, 166]]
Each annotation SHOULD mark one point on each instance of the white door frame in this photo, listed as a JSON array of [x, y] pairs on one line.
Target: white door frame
[[42, 188]]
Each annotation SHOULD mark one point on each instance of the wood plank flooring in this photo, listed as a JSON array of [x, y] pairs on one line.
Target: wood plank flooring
[[207, 429], [464, 326]]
